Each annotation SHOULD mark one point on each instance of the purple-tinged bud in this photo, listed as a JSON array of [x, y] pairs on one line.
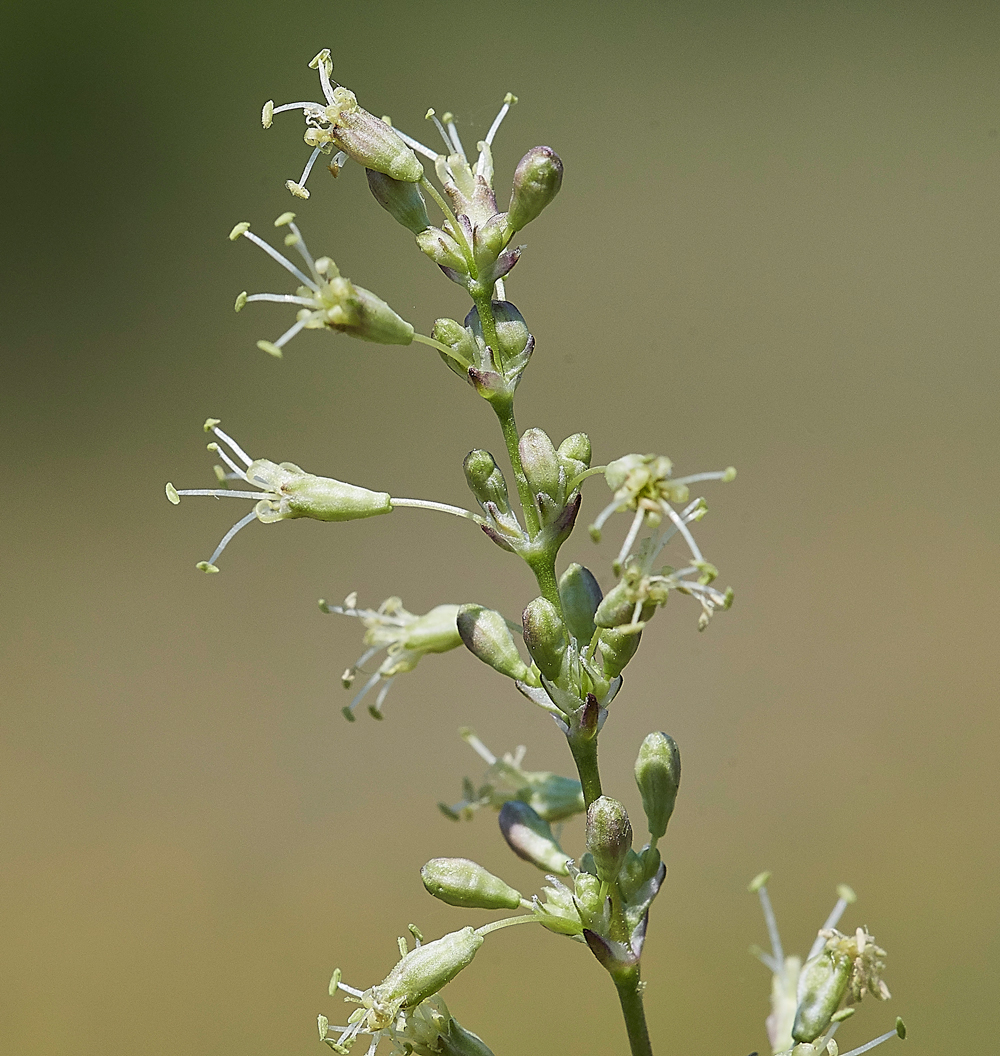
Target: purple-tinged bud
[[486, 480], [658, 775], [443, 250], [487, 636], [461, 882], [401, 199], [541, 464], [609, 836], [537, 180], [530, 838]]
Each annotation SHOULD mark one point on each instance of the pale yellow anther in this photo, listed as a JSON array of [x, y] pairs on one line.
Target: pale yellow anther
[[291, 238], [285, 218], [210, 424], [386, 120], [241, 301], [447, 116], [204, 566], [510, 99], [172, 494], [322, 58], [430, 113], [238, 230], [351, 600], [297, 189], [267, 113], [270, 348], [729, 474]]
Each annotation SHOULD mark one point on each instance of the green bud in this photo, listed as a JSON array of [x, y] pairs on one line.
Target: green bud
[[486, 480], [588, 893], [537, 180], [658, 775], [401, 199], [545, 636], [295, 493], [530, 838], [609, 836], [574, 454], [616, 607], [554, 797], [461, 1042], [541, 465], [558, 912], [421, 973], [822, 984], [489, 241], [513, 335], [617, 649], [462, 343], [487, 636], [463, 883], [580, 595], [443, 250]]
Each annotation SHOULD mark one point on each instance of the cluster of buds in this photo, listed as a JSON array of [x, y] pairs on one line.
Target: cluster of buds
[[811, 998], [551, 796]]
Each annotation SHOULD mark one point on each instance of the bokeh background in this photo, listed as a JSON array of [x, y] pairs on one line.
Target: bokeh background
[[776, 246]]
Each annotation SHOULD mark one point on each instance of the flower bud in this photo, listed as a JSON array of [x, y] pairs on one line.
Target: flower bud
[[617, 649], [545, 636], [424, 971], [530, 838], [463, 883], [822, 984], [461, 341], [486, 480], [574, 454], [658, 775], [361, 313], [580, 595], [487, 636], [443, 250], [296, 493], [513, 336], [537, 180], [609, 836], [616, 607], [541, 465], [489, 241], [401, 199]]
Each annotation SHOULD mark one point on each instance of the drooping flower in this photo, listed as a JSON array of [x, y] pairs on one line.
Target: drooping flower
[[284, 492], [404, 636], [326, 299]]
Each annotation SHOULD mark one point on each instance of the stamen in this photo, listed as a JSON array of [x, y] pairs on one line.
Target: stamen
[[223, 493], [373, 1046], [431, 116], [449, 121], [724, 475], [478, 747], [315, 107], [281, 298], [301, 184], [772, 925], [604, 515], [508, 101], [232, 443], [683, 529], [630, 538], [337, 162], [286, 264], [242, 523], [871, 1044], [229, 462], [290, 333], [415, 144], [349, 990], [831, 922], [375, 710], [357, 700]]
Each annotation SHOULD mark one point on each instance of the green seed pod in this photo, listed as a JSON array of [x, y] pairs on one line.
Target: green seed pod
[[822, 984], [486, 480], [401, 199], [463, 883], [300, 494], [545, 636], [617, 649], [658, 775], [537, 180], [487, 636], [530, 838], [609, 836], [541, 464], [422, 972], [580, 595]]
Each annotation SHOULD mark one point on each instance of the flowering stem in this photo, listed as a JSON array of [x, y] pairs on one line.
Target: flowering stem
[[584, 751], [505, 413], [484, 306], [630, 996], [441, 507], [508, 922]]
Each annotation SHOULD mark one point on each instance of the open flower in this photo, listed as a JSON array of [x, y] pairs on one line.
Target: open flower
[[404, 636], [327, 300], [284, 492]]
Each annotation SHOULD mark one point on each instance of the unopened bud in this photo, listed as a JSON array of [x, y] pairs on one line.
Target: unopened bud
[[486, 480], [443, 249], [401, 199], [513, 335], [609, 836], [489, 241], [580, 595], [464, 883], [658, 775], [822, 985], [541, 464], [545, 636], [537, 180], [617, 649], [530, 838], [574, 454], [487, 636], [616, 607], [363, 314]]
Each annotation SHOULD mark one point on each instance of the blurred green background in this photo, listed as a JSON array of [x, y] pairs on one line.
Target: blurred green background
[[776, 246]]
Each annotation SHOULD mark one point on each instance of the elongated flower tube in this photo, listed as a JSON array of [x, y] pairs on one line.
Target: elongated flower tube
[[284, 492], [326, 300], [405, 638]]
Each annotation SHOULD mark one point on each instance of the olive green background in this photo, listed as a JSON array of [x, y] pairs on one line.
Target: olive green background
[[776, 246]]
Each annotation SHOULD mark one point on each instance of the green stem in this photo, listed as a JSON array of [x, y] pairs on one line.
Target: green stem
[[484, 306], [630, 996], [585, 756], [505, 413]]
